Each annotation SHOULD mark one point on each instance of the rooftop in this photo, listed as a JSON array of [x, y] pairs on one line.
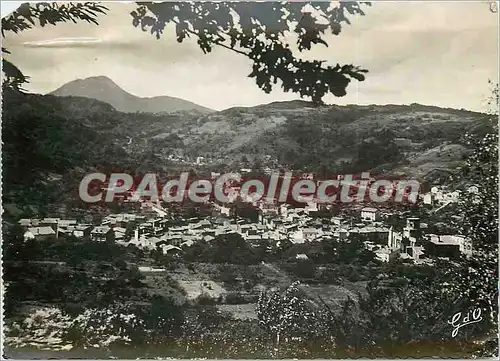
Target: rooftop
[[41, 231]]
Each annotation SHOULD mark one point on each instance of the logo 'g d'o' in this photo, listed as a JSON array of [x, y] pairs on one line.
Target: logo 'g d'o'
[[458, 320]]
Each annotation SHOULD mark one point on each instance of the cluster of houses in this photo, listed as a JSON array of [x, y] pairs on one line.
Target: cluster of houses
[[440, 197], [155, 229], [412, 243]]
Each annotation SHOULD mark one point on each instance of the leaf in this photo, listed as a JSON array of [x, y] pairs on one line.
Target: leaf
[[336, 28], [180, 30]]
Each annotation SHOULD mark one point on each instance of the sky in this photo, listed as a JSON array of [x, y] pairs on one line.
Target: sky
[[434, 53]]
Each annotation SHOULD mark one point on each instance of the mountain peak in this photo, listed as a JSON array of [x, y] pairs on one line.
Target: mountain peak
[[104, 89], [89, 86], [99, 77], [96, 79]]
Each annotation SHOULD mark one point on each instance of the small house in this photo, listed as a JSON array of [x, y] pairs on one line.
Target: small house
[[369, 214], [39, 233]]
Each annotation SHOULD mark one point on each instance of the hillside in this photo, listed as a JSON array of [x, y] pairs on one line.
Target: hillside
[[104, 89], [413, 139], [409, 139], [50, 141], [47, 148]]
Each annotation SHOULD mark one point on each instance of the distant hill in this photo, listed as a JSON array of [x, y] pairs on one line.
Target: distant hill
[[106, 90], [48, 136], [408, 139], [402, 139]]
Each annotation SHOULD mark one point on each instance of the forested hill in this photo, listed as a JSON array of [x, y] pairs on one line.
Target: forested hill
[[49, 135], [411, 139], [39, 139]]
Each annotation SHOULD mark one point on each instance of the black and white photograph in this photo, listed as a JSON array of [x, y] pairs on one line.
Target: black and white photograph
[[250, 180]]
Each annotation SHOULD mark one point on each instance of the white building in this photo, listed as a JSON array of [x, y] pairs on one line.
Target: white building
[[168, 248], [336, 221], [283, 209], [383, 254], [39, 233], [452, 197], [223, 209], [464, 244], [100, 233], [311, 207], [159, 209], [394, 239], [119, 233], [305, 235], [412, 230], [428, 198], [369, 214], [25, 222], [29, 235]]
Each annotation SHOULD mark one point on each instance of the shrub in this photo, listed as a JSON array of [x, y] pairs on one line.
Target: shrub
[[205, 300], [235, 298]]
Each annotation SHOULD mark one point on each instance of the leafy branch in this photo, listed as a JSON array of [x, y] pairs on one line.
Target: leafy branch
[[41, 14], [260, 31], [29, 15]]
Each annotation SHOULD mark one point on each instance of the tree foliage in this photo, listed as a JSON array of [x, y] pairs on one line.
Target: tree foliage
[[44, 13], [38, 139], [261, 32], [13, 77], [477, 278], [403, 307], [285, 314], [229, 248], [257, 30]]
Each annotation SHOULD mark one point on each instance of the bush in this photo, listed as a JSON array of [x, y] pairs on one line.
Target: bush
[[235, 298], [303, 269], [205, 300]]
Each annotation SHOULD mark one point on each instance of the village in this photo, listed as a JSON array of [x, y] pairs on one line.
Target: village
[[154, 227]]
